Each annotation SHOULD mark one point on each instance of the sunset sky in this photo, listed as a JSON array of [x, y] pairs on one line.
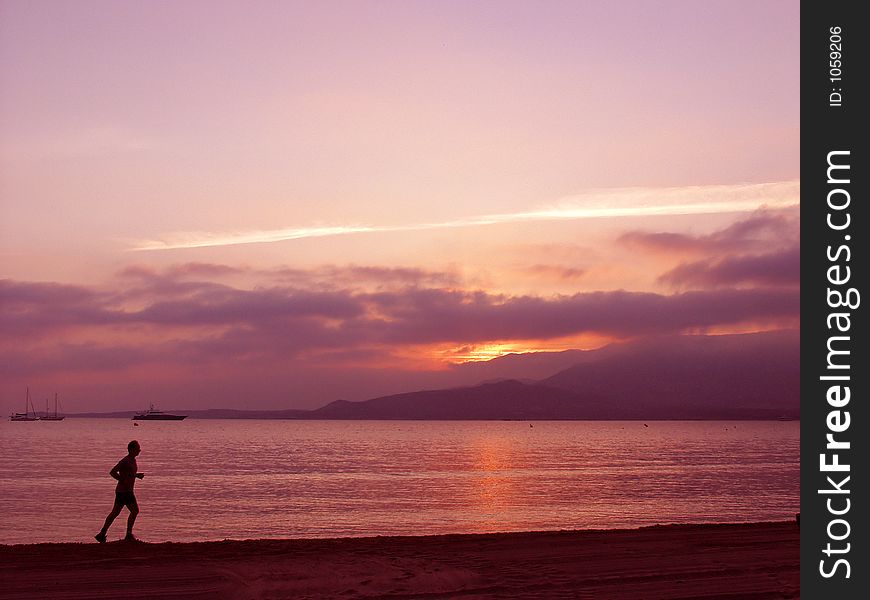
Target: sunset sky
[[278, 204]]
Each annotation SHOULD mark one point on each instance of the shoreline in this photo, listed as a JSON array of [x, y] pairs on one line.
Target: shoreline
[[200, 415], [660, 561]]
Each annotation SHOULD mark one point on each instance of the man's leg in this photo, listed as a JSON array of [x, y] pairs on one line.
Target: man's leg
[[116, 510], [134, 510]]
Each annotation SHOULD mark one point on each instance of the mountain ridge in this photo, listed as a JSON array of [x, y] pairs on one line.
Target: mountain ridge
[[734, 376]]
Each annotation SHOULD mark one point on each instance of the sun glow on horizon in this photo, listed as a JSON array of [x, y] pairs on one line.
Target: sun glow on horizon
[[472, 353], [483, 352]]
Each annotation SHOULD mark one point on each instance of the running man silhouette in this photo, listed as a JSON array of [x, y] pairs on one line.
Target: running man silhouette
[[126, 472]]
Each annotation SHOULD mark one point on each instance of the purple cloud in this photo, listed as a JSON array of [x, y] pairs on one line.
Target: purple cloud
[[775, 268], [760, 230], [426, 316], [267, 324]]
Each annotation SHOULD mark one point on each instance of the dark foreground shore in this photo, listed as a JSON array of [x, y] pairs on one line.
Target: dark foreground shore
[[758, 560]]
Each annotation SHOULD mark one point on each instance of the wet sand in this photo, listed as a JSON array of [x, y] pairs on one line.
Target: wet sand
[[758, 560]]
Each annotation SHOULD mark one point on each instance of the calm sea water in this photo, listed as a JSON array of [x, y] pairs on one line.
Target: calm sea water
[[216, 479]]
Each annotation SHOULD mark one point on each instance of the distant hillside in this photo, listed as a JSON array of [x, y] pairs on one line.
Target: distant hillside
[[751, 376], [520, 366], [500, 400]]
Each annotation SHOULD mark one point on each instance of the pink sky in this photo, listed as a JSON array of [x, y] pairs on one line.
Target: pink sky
[[276, 204]]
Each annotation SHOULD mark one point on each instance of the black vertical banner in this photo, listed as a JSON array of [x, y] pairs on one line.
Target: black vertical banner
[[834, 263]]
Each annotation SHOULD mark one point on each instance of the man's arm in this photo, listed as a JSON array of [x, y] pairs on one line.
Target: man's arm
[[116, 471]]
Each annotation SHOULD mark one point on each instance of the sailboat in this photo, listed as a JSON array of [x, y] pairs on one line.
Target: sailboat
[[29, 413], [55, 416]]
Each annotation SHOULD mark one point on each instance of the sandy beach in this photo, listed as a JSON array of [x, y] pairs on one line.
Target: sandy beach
[[757, 561]]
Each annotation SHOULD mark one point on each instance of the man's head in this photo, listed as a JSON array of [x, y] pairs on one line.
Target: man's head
[[133, 448]]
